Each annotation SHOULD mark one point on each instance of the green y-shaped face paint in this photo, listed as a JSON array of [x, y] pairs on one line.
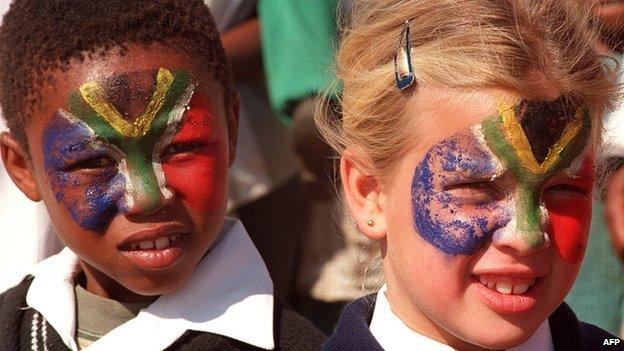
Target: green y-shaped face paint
[[536, 140], [139, 143]]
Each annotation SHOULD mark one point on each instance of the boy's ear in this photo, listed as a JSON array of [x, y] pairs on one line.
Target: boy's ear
[[363, 198], [18, 167], [232, 111]]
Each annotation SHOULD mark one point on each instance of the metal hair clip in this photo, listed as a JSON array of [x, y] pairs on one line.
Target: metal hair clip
[[403, 70]]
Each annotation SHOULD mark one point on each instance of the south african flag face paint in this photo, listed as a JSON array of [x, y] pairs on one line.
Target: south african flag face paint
[[522, 172], [116, 149]]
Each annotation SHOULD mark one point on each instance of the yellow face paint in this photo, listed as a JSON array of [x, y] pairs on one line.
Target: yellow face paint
[[94, 95], [518, 139]]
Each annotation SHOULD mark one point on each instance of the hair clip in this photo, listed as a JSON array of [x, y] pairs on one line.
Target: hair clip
[[403, 70]]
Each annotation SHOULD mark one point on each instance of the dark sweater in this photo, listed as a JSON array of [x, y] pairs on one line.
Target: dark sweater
[[291, 331], [568, 333]]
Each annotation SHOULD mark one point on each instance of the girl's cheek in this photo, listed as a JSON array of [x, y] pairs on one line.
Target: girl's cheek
[[570, 217], [569, 225]]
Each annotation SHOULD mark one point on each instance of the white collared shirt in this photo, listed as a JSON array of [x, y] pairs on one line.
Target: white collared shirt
[[230, 293], [393, 335]]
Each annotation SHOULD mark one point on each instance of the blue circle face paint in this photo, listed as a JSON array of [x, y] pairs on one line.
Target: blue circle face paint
[[450, 208]]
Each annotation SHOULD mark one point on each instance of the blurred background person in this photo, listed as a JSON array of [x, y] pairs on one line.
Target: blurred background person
[[299, 42], [598, 294], [25, 229]]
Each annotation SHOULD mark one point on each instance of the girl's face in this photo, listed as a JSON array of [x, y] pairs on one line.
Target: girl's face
[[487, 218]]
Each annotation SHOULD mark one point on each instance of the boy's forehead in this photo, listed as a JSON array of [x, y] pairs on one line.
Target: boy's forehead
[[127, 77], [129, 92], [133, 67]]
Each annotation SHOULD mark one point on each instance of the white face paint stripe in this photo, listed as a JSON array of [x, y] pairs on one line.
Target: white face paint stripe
[[477, 131], [173, 126], [110, 150]]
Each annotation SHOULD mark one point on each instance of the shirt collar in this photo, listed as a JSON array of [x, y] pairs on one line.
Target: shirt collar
[[230, 293], [392, 334]]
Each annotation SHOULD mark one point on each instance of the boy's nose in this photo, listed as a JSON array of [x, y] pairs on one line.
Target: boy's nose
[[144, 196], [147, 201]]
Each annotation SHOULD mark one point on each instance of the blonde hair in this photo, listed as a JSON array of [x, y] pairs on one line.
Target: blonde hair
[[458, 44]]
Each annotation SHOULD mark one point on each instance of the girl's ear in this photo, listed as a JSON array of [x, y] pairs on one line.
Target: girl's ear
[[17, 166], [362, 193]]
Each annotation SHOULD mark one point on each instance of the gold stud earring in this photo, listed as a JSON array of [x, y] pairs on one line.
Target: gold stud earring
[[370, 223]]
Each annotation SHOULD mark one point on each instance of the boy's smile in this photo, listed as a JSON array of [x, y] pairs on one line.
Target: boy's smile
[[132, 160]]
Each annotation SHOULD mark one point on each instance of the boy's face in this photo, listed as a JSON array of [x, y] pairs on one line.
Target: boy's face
[[130, 153], [490, 219]]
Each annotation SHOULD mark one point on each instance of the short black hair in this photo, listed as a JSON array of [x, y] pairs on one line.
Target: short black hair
[[38, 36]]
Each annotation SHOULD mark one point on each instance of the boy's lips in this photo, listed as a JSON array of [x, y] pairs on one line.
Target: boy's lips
[[508, 291], [155, 248]]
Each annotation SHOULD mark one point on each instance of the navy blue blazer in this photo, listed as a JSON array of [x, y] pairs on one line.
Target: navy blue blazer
[[353, 332]]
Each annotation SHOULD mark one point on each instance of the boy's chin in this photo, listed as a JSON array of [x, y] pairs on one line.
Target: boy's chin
[[154, 286]]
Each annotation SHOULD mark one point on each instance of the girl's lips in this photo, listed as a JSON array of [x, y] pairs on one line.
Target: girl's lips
[[508, 302], [164, 252]]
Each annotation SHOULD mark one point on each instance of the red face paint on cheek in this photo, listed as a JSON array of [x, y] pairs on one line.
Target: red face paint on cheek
[[198, 175], [570, 217]]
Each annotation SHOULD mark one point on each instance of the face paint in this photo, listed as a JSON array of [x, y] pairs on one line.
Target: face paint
[[570, 216], [441, 215], [451, 209], [194, 178], [134, 180], [93, 198]]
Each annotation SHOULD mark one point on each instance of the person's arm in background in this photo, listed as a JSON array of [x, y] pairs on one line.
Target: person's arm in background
[[614, 211], [242, 48], [612, 21], [611, 16]]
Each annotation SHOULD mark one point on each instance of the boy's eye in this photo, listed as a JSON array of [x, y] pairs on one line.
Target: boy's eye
[[181, 148], [566, 190], [93, 164]]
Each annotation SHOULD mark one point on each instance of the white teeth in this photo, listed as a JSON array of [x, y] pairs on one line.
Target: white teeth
[[503, 288], [161, 242], [146, 245], [520, 289], [507, 288], [158, 244]]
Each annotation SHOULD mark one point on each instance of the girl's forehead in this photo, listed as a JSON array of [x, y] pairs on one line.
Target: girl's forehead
[[444, 112]]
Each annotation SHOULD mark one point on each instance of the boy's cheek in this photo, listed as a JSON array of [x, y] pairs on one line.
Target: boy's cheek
[[200, 181], [92, 202], [569, 221]]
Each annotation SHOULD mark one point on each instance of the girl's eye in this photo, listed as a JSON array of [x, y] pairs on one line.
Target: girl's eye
[[181, 148], [481, 191]]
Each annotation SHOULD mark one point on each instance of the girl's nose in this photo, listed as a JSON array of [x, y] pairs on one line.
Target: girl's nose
[[526, 233], [524, 242]]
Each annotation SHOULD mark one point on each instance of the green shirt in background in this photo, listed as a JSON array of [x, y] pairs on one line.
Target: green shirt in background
[[298, 44], [597, 297]]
